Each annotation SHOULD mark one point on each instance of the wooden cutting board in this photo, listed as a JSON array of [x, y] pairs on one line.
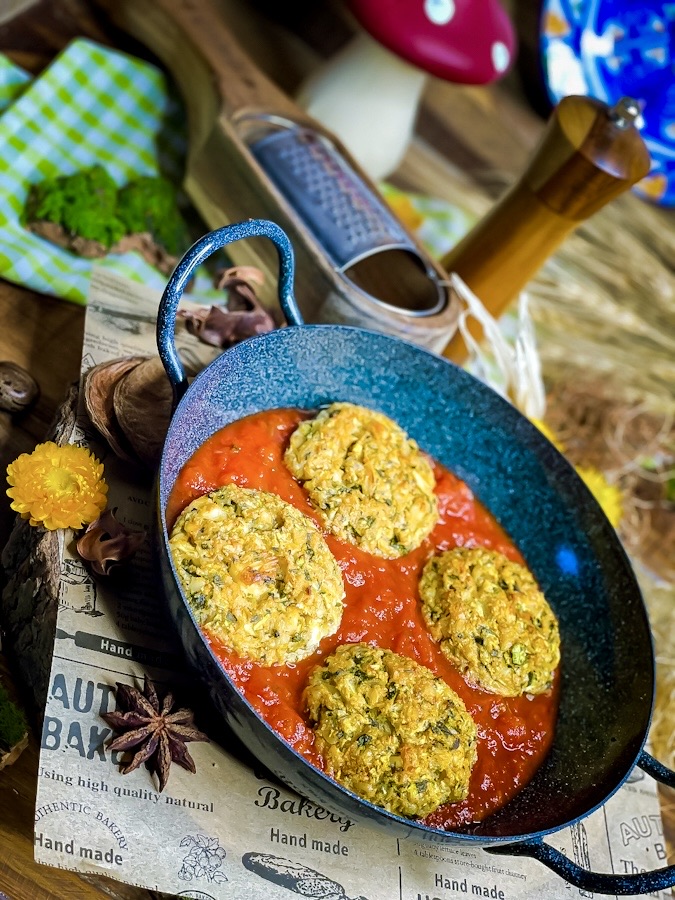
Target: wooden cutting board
[[230, 103]]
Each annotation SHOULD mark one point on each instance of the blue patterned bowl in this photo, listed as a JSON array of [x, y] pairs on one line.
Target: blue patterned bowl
[[608, 665], [610, 49]]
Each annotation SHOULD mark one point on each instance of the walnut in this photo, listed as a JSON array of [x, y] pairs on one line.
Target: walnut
[[18, 388]]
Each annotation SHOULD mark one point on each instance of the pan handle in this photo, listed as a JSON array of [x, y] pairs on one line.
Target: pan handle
[[657, 770], [598, 882], [195, 256], [593, 882]]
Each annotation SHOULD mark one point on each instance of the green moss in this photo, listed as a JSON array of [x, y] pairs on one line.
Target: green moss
[[45, 202], [149, 204], [88, 204], [84, 204], [13, 723]]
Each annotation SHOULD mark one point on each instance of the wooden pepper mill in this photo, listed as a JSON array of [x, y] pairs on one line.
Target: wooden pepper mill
[[589, 154]]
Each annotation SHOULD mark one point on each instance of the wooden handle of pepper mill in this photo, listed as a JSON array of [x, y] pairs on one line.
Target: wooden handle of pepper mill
[[588, 155]]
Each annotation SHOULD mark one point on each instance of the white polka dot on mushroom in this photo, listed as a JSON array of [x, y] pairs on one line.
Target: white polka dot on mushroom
[[440, 12], [500, 56]]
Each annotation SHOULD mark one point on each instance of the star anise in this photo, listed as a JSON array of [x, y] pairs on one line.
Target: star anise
[[159, 734]]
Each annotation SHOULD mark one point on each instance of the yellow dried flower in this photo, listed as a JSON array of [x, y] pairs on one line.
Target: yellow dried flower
[[608, 495], [546, 431], [58, 487]]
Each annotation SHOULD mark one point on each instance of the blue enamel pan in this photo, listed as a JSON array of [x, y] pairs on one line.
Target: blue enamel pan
[[607, 656]]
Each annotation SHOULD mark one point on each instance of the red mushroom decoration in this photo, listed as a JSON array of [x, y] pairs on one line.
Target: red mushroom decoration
[[367, 94]]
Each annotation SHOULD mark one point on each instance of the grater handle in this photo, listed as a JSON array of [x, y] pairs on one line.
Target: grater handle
[[214, 74], [231, 105], [195, 256]]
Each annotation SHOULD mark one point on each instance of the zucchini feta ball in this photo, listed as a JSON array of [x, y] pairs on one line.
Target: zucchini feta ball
[[368, 481], [491, 620], [390, 730], [257, 574]]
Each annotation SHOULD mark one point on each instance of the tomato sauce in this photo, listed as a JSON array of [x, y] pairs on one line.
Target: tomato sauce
[[381, 607]]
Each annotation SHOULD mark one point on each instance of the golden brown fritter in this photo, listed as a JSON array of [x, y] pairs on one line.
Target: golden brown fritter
[[258, 574], [390, 730], [491, 620], [366, 478]]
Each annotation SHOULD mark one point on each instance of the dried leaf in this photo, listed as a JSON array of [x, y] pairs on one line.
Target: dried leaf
[[237, 282], [106, 543], [244, 316], [247, 274], [223, 328]]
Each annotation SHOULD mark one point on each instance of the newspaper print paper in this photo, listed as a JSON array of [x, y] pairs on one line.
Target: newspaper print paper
[[230, 831]]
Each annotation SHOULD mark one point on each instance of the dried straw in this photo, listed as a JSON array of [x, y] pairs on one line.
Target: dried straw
[[605, 303], [660, 601]]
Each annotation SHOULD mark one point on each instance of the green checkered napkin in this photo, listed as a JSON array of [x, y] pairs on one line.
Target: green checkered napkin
[[13, 80], [91, 105]]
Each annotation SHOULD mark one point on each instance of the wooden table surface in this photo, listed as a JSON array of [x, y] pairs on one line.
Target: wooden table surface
[[459, 129]]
